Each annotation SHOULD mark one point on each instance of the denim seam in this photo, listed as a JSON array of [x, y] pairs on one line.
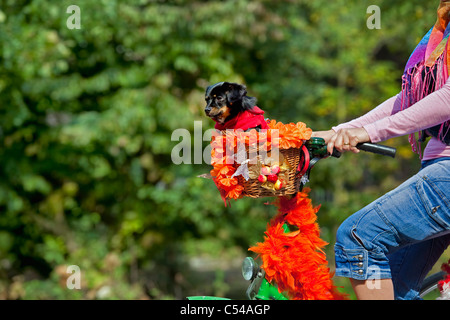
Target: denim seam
[[384, 218], [348, 271], [388, 223], [428, 210], [355, 227], [357, 239], [421, 194], [436, 189]]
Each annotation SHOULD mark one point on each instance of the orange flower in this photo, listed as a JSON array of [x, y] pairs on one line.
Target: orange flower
[[228, 182], [223, 148], [248, 137], [222, 175], [268, 139], [221, 158], [235, 193], [220, 170], [291, 135]]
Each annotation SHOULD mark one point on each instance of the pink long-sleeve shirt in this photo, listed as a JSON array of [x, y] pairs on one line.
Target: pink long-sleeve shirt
[[388, 120]]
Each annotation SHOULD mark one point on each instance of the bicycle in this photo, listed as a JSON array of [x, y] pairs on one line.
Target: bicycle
[[430, 287], [260, 288]]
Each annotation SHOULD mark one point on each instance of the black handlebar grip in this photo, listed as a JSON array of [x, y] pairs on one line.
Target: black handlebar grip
[[336, 153], [371, 147], [377, 148]]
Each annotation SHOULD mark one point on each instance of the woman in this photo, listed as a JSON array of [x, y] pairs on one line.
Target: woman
[[399, 237]]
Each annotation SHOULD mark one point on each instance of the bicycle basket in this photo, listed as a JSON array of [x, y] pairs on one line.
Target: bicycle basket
[[289, 178], [260, 164]]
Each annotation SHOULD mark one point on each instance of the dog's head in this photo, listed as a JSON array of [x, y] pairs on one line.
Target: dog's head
[[224, 100]]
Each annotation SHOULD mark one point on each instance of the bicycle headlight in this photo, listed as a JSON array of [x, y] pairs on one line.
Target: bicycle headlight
[[249, 268]]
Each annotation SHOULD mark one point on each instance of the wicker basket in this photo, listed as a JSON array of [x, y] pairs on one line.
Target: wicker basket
[[253, 188]]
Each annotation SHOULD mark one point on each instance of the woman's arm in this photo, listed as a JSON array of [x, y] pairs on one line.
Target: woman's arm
[[432, 110], [385, 109]]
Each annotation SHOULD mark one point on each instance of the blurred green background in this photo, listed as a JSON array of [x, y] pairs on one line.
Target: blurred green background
[[86, 118]]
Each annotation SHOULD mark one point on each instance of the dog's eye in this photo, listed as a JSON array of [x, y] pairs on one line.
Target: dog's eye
[[220, 98]]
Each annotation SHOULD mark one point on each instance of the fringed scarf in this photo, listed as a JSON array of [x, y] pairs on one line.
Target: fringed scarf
[[427, 71]]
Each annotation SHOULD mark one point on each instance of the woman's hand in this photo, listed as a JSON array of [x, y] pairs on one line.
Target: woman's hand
[[326, 135], [347, 139]]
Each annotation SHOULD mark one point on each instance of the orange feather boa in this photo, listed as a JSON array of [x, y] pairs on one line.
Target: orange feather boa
[[295, 260]]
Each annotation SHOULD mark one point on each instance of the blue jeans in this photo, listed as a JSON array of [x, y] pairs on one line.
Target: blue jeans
[[400, 235]]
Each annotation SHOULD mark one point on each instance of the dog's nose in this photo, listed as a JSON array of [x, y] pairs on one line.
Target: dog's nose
[[207, 111]]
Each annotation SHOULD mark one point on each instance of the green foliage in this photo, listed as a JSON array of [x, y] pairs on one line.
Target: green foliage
[[86, 116]]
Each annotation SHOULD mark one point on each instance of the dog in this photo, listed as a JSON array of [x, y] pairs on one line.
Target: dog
[[230, 107]]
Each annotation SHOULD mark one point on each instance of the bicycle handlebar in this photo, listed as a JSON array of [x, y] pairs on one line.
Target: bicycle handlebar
[[371, 147], [316, 149], [377, 148]]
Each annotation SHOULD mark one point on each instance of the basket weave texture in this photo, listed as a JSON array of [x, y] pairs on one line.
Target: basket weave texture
[[253, 188]]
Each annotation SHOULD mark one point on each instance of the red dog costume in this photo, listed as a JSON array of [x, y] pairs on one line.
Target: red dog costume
[[245, 120]]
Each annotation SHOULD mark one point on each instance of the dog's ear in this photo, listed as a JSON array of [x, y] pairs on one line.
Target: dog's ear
[[248, 103], [235, 91]]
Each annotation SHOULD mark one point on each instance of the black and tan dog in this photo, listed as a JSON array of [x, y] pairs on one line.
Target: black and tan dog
[[230, 107]]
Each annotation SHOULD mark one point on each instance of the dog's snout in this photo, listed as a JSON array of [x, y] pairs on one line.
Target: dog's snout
[[208, 108]]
